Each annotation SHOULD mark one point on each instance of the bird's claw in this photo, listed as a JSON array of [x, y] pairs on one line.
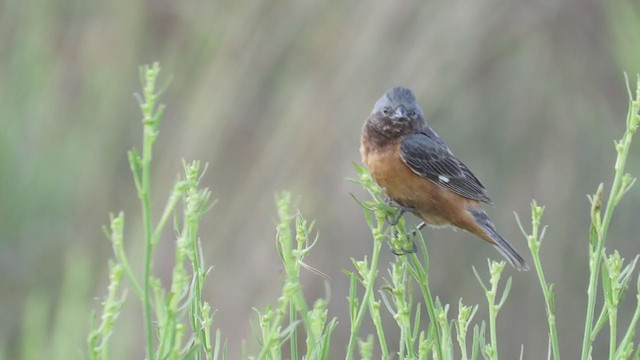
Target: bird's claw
[[389, 201], [396, 219], [401, 211], [412, 236], [413, 250]]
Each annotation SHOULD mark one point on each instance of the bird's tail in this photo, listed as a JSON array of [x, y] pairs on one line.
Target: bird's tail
[[498, 241]]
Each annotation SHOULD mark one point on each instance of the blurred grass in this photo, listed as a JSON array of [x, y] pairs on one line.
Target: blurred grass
[[273, 94]]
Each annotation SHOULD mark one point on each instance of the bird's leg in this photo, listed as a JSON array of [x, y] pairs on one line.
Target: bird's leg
[[414, 233], [396, 219], [401, 210]]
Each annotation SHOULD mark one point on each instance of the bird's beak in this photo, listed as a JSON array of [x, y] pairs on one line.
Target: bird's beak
[[400, 113]]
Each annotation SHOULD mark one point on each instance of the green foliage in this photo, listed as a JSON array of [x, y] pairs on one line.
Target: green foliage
[[615, 275], [293, 246], [490, 351], [614, 279], [178, 322], [66, 110], [534, 240]]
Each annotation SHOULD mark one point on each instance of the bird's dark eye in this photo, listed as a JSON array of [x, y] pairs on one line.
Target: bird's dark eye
[[386, 110], [412, 113]]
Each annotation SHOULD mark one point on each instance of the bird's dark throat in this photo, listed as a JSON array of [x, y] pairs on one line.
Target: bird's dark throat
[[382, 131]]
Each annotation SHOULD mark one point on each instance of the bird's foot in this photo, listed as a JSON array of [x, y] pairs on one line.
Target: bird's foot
[[413, 249], [394, 221], [401, 210], [411, 236]]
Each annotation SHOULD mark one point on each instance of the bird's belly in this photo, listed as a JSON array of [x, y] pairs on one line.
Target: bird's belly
[[398, 181], [434, 220], [434, 204]]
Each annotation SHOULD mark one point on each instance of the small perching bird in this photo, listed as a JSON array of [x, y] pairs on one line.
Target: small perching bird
[[421, 175]]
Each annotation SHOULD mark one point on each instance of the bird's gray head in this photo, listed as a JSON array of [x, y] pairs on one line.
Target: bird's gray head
[[399, 105]]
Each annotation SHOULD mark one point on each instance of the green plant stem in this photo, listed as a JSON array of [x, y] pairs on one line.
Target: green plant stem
[[165, 327], [401, 288], [612, 332], [146, 218], [292, 295], [534, 240], [465, 315], [493, 315], [614, 196], [492, 329], [292, 259], [293, 341], [495, 269], [150, 123], [378, 239], [422, 277], [169, 208], [628, 337], [374, 311], [551, 316], [303, 310]]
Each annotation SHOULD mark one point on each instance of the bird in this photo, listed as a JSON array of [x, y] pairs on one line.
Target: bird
[[420, 174]]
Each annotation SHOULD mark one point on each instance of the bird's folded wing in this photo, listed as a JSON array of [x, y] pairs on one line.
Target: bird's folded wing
[[428, 156]]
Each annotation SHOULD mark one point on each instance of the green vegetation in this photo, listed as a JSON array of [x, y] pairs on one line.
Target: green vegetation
[[178, 322], [272, 96], [166, 311]]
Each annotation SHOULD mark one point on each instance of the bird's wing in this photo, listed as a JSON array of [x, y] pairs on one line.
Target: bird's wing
[[428, 156]]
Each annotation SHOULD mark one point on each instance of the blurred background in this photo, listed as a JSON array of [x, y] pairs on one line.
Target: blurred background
[[273, 94]]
